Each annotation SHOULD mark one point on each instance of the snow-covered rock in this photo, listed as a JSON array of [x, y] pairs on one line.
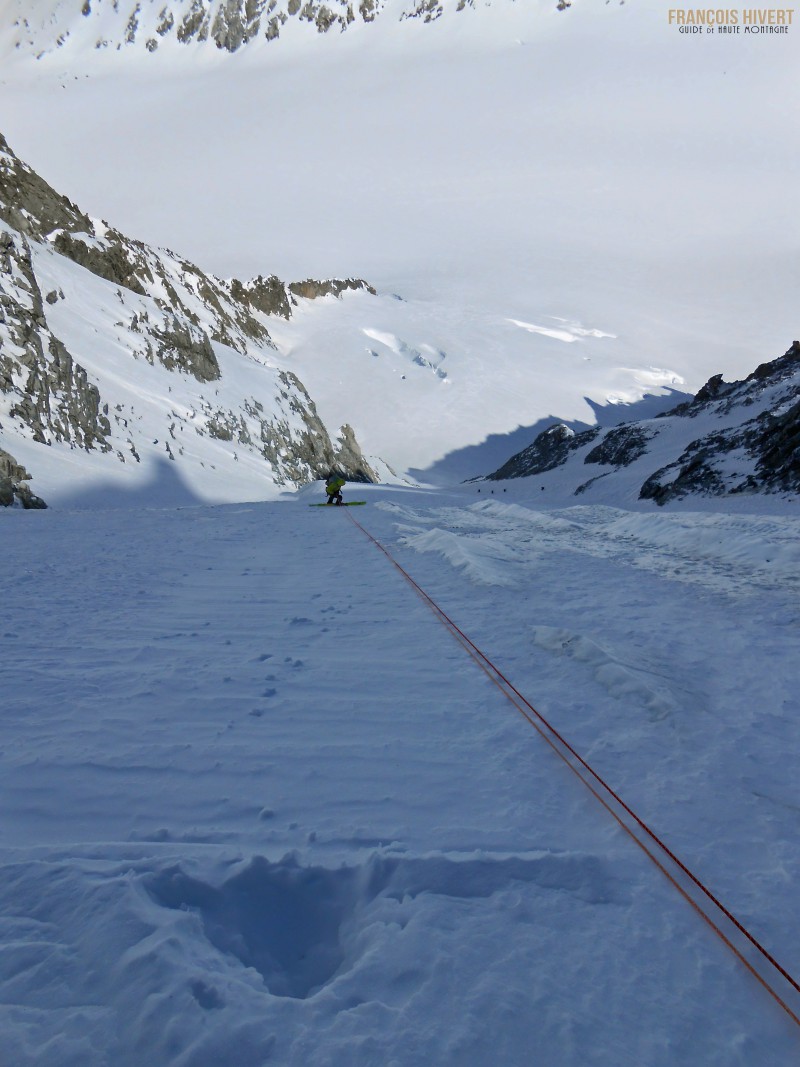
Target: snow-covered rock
[[51, 25], [731, 438]]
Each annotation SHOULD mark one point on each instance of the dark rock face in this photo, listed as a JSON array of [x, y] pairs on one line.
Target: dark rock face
[[236, 23], [691, 474], [13, 489], [297, 457], [111, 262], [50, 392], [60, 403], [312, 452], [349, 460], [312, 290], [185, 347], [267, 295], [620, 446], [427, 10], [777, 446], [195, 24], [714, 388], [550, 449], [31, 206]]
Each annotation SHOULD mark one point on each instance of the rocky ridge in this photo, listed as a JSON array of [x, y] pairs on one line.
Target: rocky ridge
[[228, 25], [151, 306], [731, 438]]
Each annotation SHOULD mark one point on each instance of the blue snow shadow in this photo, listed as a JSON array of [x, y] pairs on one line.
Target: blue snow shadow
[[279, 918], [164, 488], [475, 461]]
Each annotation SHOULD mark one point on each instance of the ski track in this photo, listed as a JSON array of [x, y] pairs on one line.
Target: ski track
[[264, 809]]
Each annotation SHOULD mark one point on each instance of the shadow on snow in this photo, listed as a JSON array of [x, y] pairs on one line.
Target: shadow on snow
[[475, 461], [164, 488]]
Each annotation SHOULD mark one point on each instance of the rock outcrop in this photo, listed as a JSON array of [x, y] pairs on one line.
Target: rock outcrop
[[29, 205], [549, 450], [291, 437], [311, 289], [45, 388], [620, 446], [14, 490]]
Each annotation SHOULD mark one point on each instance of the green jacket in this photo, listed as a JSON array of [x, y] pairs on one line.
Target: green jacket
[[333, 485]]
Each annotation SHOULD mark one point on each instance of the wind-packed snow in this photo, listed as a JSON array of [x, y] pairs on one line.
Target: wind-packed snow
[[260, 807]]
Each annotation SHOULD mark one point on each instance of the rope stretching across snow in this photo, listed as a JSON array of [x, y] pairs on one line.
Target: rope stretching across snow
[[559, 744]]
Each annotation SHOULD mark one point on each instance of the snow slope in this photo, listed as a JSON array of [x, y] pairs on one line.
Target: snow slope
[[562, 218], [259, 807]]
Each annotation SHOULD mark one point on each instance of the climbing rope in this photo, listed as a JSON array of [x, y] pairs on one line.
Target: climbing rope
[[554, 739]]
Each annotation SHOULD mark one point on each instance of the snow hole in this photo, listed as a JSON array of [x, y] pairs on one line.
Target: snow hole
[[279, 918]]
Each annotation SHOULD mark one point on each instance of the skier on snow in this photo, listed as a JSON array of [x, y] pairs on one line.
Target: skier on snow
[[333, 487]]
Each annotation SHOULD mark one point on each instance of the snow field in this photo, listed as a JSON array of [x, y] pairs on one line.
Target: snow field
[[264, 809]]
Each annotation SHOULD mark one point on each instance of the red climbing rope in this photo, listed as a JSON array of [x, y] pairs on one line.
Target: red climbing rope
[[537, 721]]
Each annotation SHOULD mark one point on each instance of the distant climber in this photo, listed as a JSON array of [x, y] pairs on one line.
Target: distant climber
[[333, 487]]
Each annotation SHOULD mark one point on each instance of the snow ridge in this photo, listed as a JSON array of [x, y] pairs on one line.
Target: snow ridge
[[730, 439], [51, 26]]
